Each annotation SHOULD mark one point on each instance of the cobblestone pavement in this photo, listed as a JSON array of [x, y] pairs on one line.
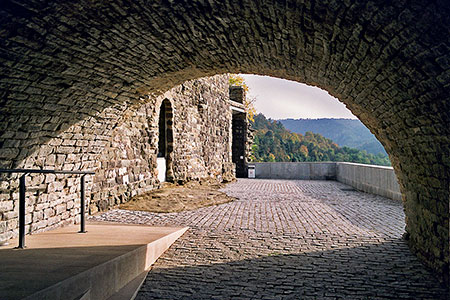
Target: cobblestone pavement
[[287, 239]]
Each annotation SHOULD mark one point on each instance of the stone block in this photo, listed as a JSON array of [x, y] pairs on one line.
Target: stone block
[[38, 215], [6, 205], [60, 208], [70, 204], [9, 153], [55, 186], [48, 213]]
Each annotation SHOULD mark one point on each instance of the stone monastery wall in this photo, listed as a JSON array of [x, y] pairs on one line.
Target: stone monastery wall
[[202, 143], [123, 152], [71, 69]]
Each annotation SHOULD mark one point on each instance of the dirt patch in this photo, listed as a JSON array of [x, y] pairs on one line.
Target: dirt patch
[[175, 198]]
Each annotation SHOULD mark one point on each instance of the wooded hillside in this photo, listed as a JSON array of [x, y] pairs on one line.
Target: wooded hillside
[[344, 132], [273, 142]]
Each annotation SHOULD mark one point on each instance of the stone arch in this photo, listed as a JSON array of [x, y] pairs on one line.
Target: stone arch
[[75, 63], [165, 140]]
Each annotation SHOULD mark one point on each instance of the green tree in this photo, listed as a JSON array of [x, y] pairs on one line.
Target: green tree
[[272, 142], [249, 102]]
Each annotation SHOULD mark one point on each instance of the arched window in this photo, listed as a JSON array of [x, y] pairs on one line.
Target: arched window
[[162, 142], [165, 141]]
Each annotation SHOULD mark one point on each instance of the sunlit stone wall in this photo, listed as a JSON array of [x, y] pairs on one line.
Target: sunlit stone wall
[[121, 147], [72, 64]]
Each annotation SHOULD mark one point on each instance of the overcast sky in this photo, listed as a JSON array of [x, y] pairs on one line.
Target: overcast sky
[[281, 99]]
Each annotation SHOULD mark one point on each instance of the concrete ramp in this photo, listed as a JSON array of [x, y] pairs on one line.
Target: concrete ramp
[[107, 261]]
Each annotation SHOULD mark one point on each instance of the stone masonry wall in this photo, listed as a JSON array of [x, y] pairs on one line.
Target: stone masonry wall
[[122, 152], [202, 129], [66, 63], [242, 136]]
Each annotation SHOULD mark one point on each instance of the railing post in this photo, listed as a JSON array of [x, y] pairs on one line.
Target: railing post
[[22, 191], [83, 207]]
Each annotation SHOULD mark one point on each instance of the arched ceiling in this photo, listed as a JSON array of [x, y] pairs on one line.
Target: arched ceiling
[[63, 63]]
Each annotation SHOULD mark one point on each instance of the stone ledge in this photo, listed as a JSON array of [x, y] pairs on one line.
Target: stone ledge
[[367, 178], [62, 264]]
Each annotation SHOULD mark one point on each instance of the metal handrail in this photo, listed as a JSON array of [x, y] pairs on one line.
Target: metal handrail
[[22, 191]]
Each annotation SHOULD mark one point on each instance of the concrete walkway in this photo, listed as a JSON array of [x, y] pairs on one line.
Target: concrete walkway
[[64, 264], [287, 240]]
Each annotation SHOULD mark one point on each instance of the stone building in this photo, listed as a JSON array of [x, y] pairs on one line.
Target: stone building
[[72, 69], [241, 134], [182, 135]]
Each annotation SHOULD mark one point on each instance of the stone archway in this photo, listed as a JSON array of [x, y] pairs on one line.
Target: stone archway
[[86, 62]]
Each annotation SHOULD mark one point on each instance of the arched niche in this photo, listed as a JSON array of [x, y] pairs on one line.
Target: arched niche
[[165, 142]]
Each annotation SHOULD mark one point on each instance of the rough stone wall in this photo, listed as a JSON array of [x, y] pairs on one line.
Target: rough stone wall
[[128, 161], [237, 94], [202, 129], [242, 136], [123, 156], [239, 126], [201, 143], [53, 200], [65, 63]]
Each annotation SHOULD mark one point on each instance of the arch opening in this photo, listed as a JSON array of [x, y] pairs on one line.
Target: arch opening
[[300, 108], [387, 61]]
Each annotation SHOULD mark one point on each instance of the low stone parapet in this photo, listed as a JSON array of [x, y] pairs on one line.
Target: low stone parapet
[[378, 180], [296, 170]]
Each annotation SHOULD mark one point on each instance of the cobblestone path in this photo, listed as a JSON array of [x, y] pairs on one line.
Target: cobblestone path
[[287, 239]]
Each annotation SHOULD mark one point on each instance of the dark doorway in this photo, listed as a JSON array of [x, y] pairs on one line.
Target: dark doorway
[[165, 142], [239, 138]]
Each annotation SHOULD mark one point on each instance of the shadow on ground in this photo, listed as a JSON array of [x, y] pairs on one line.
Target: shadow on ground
[[367, 272], [24, 272]]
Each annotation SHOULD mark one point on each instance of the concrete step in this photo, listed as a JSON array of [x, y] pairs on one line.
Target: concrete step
[[130, 291], [107, 261]]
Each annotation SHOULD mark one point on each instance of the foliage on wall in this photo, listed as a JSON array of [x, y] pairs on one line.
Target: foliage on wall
[[249, 102]]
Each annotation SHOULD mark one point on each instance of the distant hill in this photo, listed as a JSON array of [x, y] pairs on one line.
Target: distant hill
[[272, 142], [344, 132]]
